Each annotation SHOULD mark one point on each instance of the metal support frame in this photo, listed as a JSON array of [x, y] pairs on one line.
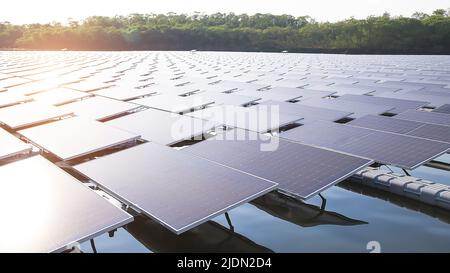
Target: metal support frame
[[94, 249], [227, 216], [406, 172]]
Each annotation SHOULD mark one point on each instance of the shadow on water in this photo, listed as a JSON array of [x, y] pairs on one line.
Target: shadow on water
[[213, 237], [300, 213], [435, 212], [208, 237]]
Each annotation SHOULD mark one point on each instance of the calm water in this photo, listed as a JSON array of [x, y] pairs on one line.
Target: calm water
[[353, 216]]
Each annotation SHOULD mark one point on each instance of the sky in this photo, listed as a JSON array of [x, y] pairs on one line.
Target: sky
[[45, 11]]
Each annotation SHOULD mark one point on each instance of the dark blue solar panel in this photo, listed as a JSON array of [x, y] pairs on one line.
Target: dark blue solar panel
[[443, 109], [400, 150], [300, 170], [387, 124], [400, 105], [427, 117]]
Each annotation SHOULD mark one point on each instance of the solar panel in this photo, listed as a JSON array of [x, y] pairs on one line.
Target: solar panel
[[31, 113], [300, 170], [226, 99], [9, 98], [308, 113], [277, 93], [176, 189], [45, 217], [433, 101], [31, 87], [310, 93], [171, 103], [342, 89], [256, 118], [432, 131], [426, 117], [162, 127], [76, 137], [13, 81], [387, 148], [10, 145], [98, 108], [226, 85], [358, 109], [88, 85], [124, 93], [443, 109], [59, 96], [403, 126], [387, 124], [400, 105]]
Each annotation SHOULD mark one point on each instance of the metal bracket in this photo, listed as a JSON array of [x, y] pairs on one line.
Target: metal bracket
[[227, 216], [94, 249]]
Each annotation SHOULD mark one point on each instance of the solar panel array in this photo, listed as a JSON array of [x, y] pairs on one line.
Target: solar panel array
[[175, 189], [110, 117], [388, 148], [443, 109], [402, 126], [300, 170]]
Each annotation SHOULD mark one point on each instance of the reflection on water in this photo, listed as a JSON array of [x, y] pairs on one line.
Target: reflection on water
[[299, 213], [436, 212], [208, 237]]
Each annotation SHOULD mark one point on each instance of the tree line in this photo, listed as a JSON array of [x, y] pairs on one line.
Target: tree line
[[419, 34]]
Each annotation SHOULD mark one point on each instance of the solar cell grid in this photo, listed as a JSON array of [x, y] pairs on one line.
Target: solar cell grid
[[400, 105], [443, 109], [76, 137], [176, 189], [300, 170], [41, 190], [162, 127], [426, 117], [400, 150]]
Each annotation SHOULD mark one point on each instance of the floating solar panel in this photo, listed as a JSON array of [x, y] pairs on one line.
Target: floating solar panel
[[387, 124], [300, 170], [426, 117], [277, 93], [88, 85], [308, 113], [226, 99], [262, 118], [53, 220], [358, 109], [31, 88], [224, 86], [443, 109], [309, 93], [176, 189], [28, 114], [10, 145], [99, 108], [433, 101], [124, 93], [342, 89], [163, 127], [59, 96], [432, 131], [171, 103], [76, 137], [13, 81], [9, 98], [400, 105], [387, 148]]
